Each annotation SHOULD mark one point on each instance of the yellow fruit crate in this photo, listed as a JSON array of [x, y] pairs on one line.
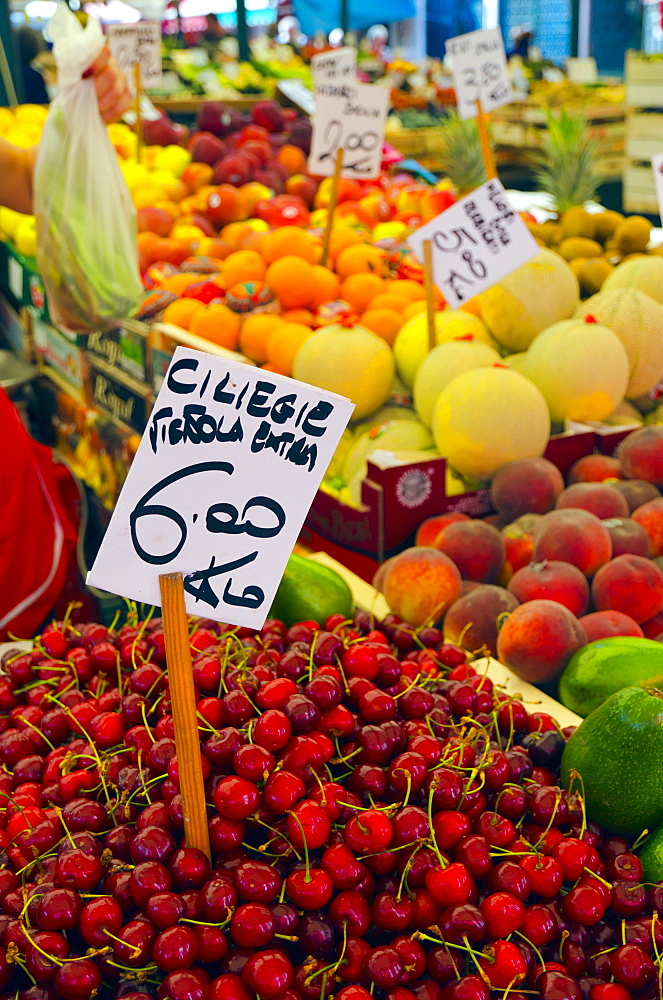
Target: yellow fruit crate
[[416, 142]]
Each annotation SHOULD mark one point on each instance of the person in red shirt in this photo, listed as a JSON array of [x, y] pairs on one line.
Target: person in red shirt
[[37, 536]]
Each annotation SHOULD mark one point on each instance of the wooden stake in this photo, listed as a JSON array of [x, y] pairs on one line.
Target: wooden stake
[[183, 696], [139, 123], [486, 149], [333, 198], [430, 294]]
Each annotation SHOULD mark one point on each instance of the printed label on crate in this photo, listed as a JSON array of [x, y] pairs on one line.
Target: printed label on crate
[[475, 243], [117, 397], [349, 116], [335, 66], [657, 166], [58, 352], [221, 483], [121, 348], [479, 70], [16, 279], [137, 44]]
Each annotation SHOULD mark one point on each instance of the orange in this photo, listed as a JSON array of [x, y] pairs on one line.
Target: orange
[[211, 246], [256, 331], [358, 259], [413, 309], [234, 233], [181, 312], [284, 343], [289, 241], [291, 278], [147, 242], [253, 241], [359, 289], [389, 300], [343, 237], [406, 288], [217, 323], [473, 306], [179, 282], [243, 265], [385, 322], [325, 285], [272, 368], [304, 316], [292, 158]]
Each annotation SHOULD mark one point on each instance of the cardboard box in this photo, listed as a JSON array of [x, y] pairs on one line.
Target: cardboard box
[[119, 396], [396, 500], [125, 349], [59, 353]]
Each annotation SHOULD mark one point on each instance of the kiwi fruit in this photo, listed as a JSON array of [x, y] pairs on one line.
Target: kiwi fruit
[[577, 221], [551, 232], [606, 223], [632, 235], [592, 274], [579, 246]]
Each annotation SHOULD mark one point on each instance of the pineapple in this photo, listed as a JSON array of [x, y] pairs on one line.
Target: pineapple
[[459, 153], [568, 161]]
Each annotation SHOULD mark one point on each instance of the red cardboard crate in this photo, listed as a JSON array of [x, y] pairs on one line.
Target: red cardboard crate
[[608, 437], [396, 500]]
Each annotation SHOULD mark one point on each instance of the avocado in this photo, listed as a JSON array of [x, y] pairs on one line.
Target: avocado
[[617, 752], [604, 666], [310, 591]]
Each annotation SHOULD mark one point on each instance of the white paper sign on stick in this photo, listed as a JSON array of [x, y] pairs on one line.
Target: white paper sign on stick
[[657, 167], [221, 483], [349, 116], [337, 65], [140, 44], [475, 243], [478, 67]]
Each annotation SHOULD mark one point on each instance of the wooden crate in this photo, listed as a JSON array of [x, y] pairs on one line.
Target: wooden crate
[[644, 81], [639, 193], [644, 135], [417, 142]]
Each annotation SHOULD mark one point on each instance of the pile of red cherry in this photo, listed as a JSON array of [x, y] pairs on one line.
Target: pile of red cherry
[[383, 823]]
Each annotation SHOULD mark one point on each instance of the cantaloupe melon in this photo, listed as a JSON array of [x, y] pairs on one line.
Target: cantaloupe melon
[[411, 344], [351, 361], [487, 417], [581, 368], [396, 435], [531, 298], [442, 365], [641, 274], [637, 319]]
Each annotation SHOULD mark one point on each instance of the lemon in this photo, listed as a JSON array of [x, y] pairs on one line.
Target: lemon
[[25, 236]]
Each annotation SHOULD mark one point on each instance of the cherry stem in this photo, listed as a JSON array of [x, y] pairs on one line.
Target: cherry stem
[[307, 877], [431, 793]]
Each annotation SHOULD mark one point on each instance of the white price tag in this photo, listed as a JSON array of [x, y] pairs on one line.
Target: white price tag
[[223, 478], [657, 167], [478, 67], [475, 243], [140, 44], [15, 278], [351, 117], [335, 66]]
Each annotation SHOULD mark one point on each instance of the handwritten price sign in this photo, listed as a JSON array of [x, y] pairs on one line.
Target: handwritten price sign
[[478, 67], [351, 117], [475, 243], [337, 65], [221, 483], [137, 44]]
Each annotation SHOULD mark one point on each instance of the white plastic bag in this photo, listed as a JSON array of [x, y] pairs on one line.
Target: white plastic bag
[[86, 222]]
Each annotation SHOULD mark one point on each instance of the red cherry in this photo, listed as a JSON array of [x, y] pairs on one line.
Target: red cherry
[[504, 964], [450, 886], [268, 972], [503, 914], [236, 798]]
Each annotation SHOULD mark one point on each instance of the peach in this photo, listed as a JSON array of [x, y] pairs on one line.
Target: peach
[[381, 572], [471, 621], [602, 624], [421, 584], [641, 454], [153, 220], [630, 584], [526, 486], [636, 491], [538, 639], [552, 581], [429, 529], [594, 469], [574, 536], [476, 548], [652, 628], [598, 498], [628, 536], [650, 516]]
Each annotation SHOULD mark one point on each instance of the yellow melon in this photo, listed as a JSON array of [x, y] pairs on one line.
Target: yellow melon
[[442, 365], [531, 298], [581, 368], [411, 345], [395, 435], [637, 319], [641, 274], [351, 361], [487, 417]]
